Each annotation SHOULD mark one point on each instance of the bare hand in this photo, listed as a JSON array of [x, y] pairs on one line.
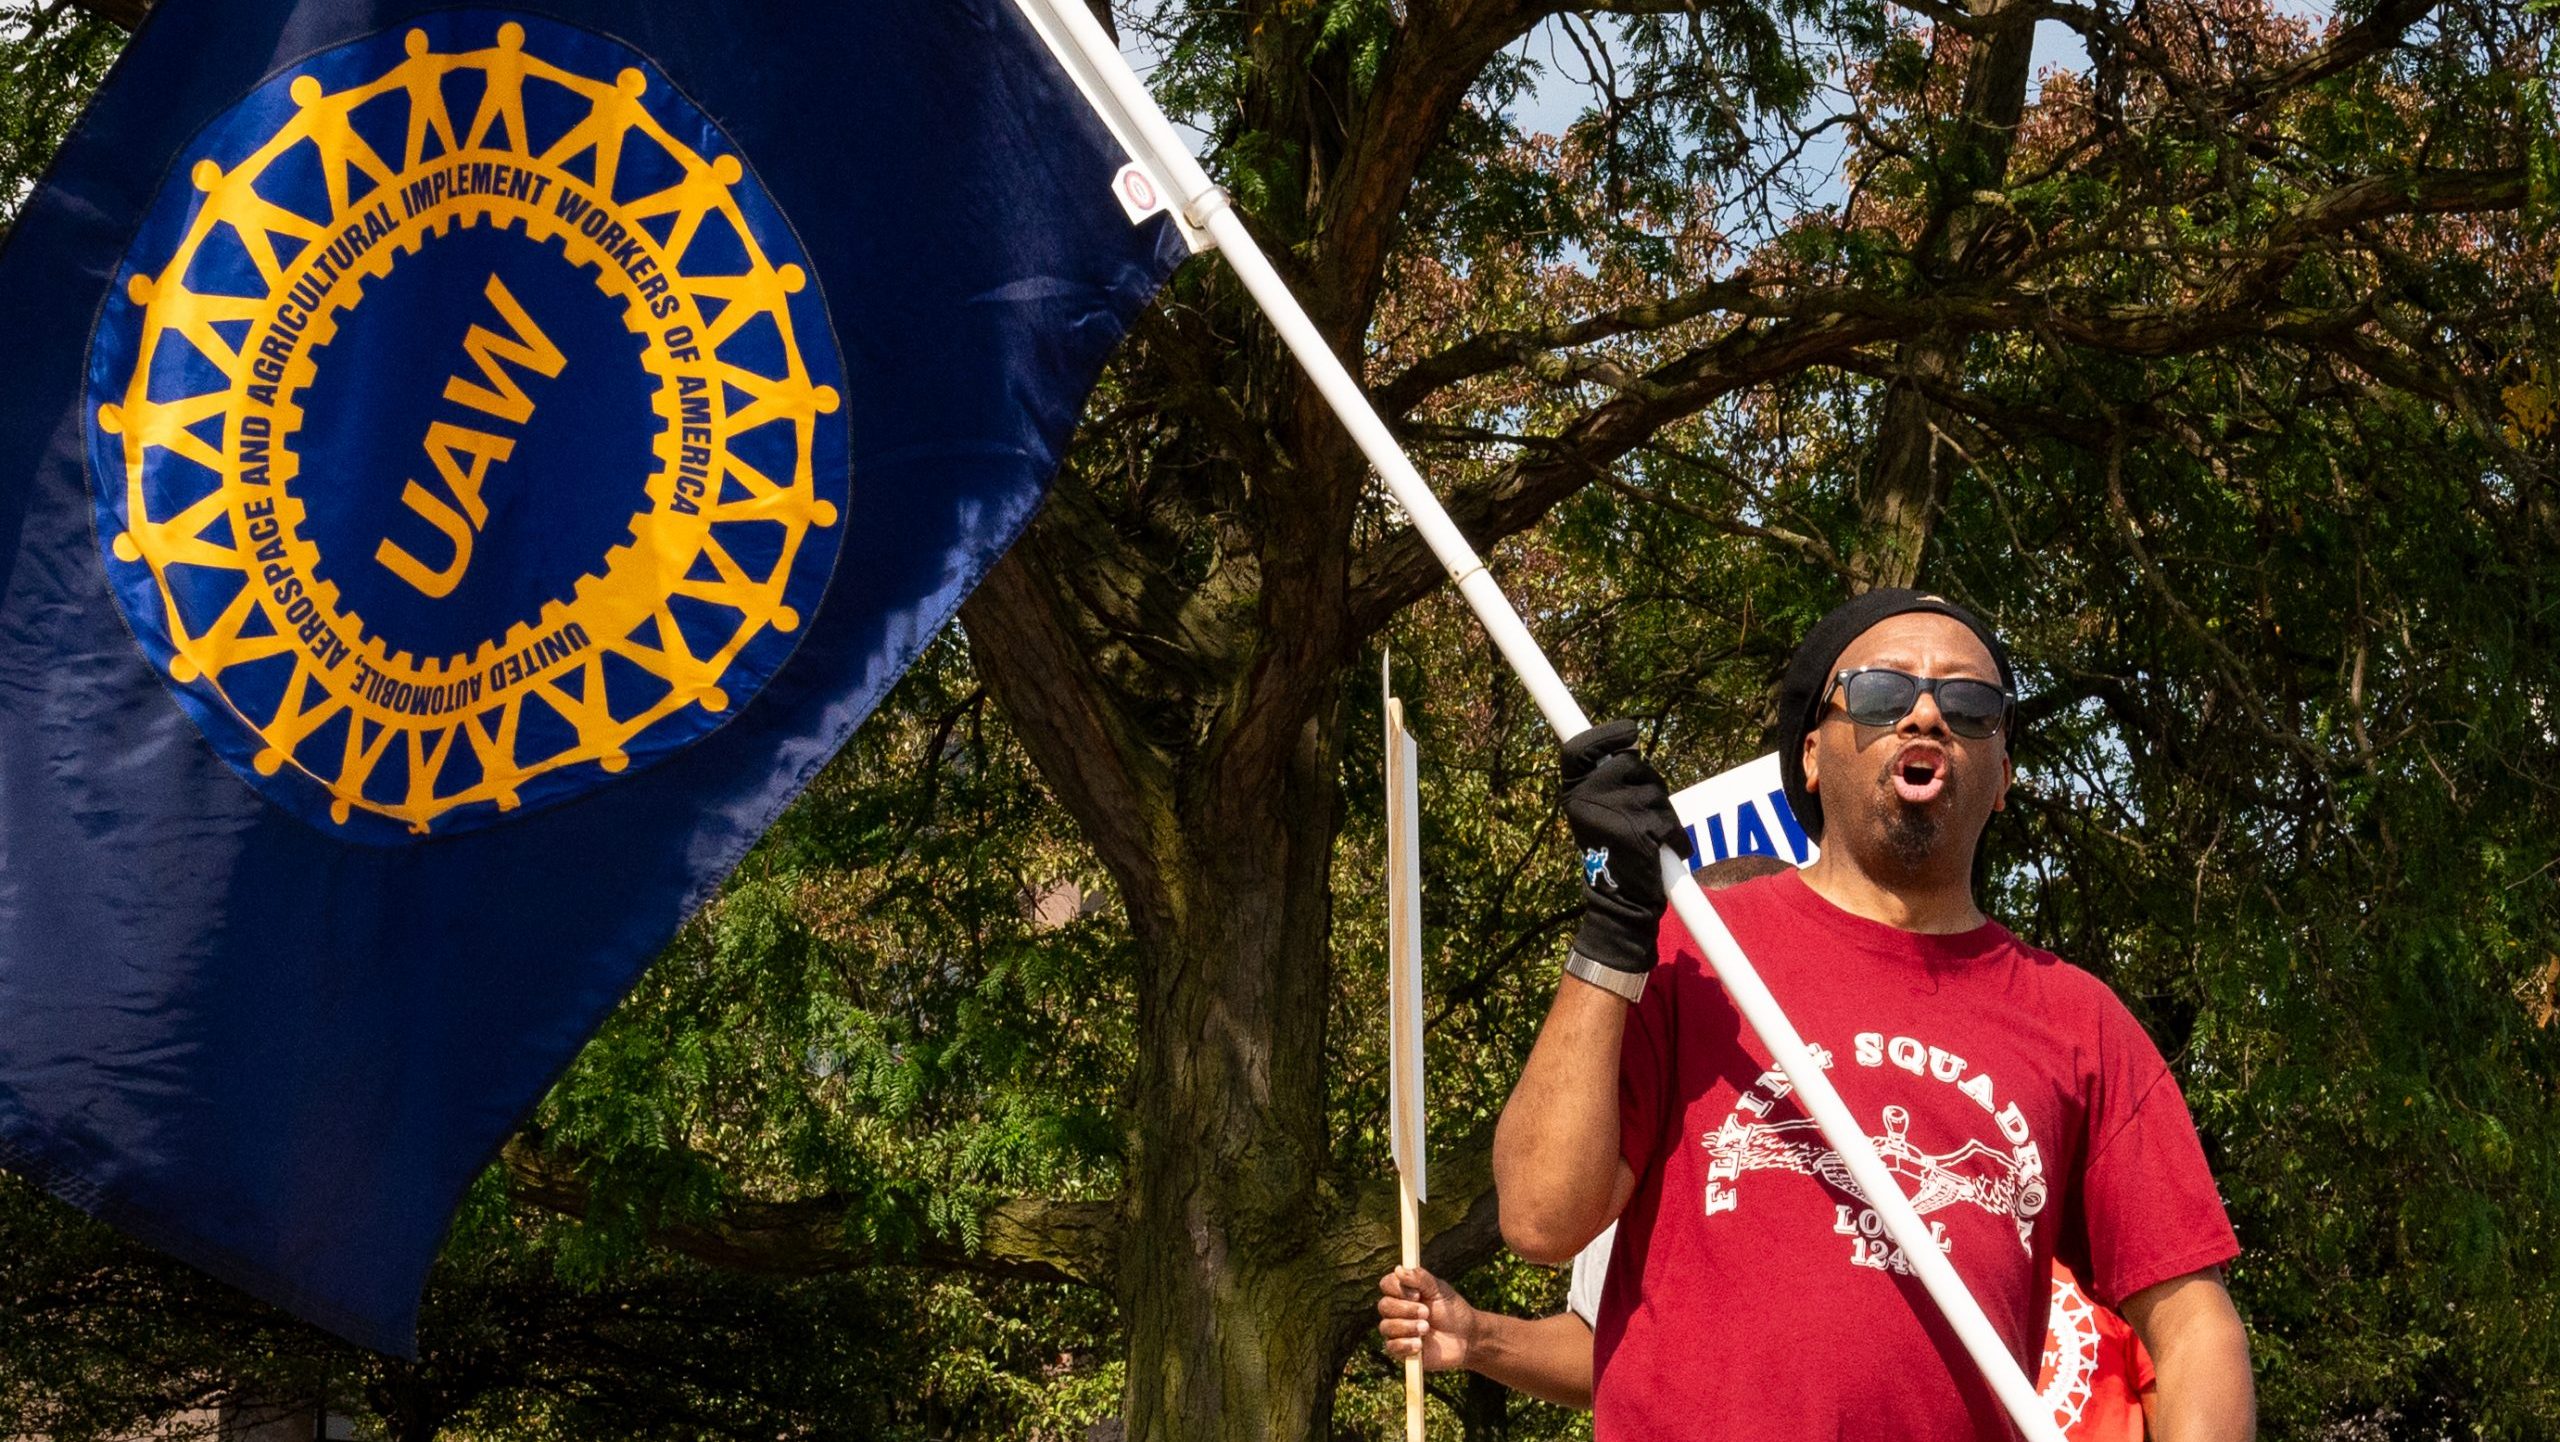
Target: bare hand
[[1418, 1311]]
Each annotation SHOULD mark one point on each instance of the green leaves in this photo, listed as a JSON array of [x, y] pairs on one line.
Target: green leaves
[[50, 57], [1360, 31]]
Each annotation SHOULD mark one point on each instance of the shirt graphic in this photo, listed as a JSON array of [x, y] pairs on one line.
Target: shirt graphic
[[1999, 1168]]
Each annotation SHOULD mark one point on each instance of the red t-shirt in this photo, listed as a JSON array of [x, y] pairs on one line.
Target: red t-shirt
[[1754, 1296], [2095, 1369]]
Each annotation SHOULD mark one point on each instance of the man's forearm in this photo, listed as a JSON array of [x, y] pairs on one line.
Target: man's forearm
[[2200, 1354], [1550, 1358], [1555, 1150], [2208, 1397]]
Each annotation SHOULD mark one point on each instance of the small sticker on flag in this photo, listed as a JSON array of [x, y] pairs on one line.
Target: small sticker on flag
[[1139, 194]]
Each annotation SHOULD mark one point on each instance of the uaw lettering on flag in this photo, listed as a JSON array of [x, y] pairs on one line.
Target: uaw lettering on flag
[[462, 470]]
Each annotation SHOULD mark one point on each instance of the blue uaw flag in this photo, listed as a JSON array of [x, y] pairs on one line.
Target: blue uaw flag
[[462, 470]]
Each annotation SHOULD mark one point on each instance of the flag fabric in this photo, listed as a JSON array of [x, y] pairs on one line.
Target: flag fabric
[[462, 471]]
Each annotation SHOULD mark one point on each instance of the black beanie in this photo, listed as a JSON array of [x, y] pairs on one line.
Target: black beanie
[[1809, 672]]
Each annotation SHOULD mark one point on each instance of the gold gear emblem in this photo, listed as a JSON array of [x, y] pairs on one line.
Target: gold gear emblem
[[439, 707]]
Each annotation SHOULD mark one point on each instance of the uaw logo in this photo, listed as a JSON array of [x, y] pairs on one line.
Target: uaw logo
[[467, 427]]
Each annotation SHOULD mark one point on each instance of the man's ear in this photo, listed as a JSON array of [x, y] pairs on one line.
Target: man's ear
[[2008, 775], [1812, 767]]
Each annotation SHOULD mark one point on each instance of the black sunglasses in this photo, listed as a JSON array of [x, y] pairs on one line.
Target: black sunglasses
[[1875, 696]]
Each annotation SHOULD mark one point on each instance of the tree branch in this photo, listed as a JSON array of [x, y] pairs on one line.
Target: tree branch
[[1488, 351], [1029, 1238], [1437, 55], [2376, 32], [1041, 667], [1400, 569], [1829, 326]]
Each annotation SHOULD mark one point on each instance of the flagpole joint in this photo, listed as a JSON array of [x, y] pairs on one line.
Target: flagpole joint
[[1200, 209]]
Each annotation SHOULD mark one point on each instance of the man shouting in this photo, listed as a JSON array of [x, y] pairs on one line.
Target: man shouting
[[1754, 1293]]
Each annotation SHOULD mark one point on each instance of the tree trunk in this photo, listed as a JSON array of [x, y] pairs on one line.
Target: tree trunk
[[1216, 814], [1913, 471], [411, 1410], [1484, 1409], [1914, 466], [1225, 1289]]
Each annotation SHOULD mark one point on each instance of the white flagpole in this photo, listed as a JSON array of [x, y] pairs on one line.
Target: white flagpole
[[1090, 58], [1404, 1001]]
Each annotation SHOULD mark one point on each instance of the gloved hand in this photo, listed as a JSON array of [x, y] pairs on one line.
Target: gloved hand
[[1621, 817]]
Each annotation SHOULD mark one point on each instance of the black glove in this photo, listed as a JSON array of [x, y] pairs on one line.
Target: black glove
[[1621, 818]]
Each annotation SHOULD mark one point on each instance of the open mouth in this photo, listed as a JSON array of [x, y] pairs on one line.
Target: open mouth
[[1919, 774]]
